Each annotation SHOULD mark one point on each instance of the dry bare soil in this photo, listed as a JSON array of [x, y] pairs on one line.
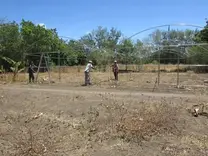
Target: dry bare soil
[[82, 121]]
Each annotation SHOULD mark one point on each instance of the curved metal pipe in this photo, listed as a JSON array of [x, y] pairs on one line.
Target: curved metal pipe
[[165, 25]]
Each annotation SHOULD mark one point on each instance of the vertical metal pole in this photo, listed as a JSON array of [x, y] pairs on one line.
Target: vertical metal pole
[[25, 63], [59, 66], [41, 57], [115, 53], [178, 61], [168, 39], [158, 82], [47, 66]]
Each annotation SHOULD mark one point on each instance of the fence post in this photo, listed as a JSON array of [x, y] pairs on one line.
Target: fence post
[[178, 61], [59, 66], [41, 57], [158, 79], [48, 67]]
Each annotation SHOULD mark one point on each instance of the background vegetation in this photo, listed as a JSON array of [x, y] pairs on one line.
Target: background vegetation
[[17, 40]]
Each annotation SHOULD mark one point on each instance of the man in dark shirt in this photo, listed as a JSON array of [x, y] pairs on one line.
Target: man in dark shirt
[[31, 71], [115, 70]]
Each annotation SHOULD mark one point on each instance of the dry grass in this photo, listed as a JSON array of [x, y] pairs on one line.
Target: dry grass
[[137, 124], [75, 75], [143, 68], [28, 133], [189, 81], [39, 124]]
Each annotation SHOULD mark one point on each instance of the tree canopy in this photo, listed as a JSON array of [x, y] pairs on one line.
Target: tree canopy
[[21, 41]]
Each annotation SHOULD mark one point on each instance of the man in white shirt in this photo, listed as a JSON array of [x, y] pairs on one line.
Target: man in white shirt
[[87, 73]]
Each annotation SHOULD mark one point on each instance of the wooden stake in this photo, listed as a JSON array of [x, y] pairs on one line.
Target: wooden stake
[[59, 66], [47, 66], [41, 57]]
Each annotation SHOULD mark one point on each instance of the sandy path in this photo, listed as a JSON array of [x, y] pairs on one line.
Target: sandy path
[[88, 90]]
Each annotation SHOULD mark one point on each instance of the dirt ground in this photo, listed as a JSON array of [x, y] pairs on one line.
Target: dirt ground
[[97, 121], [188, 82]]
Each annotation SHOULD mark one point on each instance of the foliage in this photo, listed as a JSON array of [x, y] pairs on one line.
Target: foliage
[[199, 55], [10, 41], [36, 38], [102, 38], [126, 51], [15, 66], [102, 58], [20, 42], [2, 69]]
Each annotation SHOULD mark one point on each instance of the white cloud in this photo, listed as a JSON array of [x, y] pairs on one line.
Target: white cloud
[[42, 25]]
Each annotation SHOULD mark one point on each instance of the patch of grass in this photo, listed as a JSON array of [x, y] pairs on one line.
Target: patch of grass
[[34, 134], [133, 125], [126, 80], [147, 122], [116, 124]]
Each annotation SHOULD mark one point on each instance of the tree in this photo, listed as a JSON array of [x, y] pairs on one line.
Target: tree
[[126, 52], [101, 38], [142, 52], [171, 37], [10, 41], [202, 36], [37, 39], [113, 39], [74, 53], [15, 67], [102, 58], [199, 54], [100, 45]]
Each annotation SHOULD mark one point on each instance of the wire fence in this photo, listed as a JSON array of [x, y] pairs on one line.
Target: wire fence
[[151, 77], [133, 73], [134, 69]]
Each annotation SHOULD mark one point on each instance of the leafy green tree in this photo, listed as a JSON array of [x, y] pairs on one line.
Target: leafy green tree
[[74, 53], [126, 52], [102, 58], [199, 54], [143, 52], [172, 37], [15, 67], [101, 38], [202, 36], [37, 39], [101, 44], [10, 41]]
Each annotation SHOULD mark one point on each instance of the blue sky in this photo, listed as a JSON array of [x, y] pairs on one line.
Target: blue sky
[[75, 18]]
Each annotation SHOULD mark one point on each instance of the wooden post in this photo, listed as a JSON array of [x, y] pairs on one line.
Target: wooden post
[[109, 70], [158, 77], [178, 62], [47, 66], [41, 57], [59, 66]]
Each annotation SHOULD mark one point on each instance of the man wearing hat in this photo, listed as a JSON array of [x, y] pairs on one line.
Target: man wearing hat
[[115, 70], [87, 73]]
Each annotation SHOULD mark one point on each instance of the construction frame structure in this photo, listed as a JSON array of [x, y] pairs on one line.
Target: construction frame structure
[[178, 45], [44, 56]]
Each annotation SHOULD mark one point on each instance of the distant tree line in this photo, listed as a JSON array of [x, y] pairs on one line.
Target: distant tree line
[[22, 41]]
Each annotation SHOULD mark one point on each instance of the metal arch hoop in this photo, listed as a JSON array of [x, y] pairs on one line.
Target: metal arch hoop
[[185, 45], [165, 25]]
